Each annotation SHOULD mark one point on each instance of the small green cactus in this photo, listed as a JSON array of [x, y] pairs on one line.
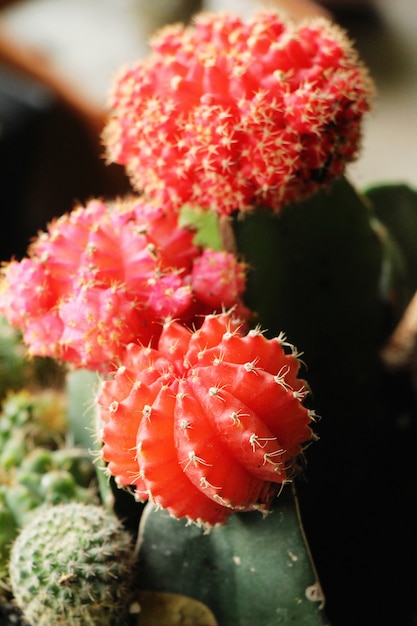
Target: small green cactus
[[37, 467], [73, 565], [30, 419]]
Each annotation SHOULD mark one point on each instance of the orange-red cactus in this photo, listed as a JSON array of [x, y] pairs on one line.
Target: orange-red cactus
[[211, 422]]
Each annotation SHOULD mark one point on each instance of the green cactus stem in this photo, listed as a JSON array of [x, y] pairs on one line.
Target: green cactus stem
[[252, 570], [73, 565], [335, 272], [81, 390], [312, 268]]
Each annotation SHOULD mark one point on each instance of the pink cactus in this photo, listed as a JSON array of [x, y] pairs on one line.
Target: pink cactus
[[210, 423], [106, 275], [228, 115], [218, 276]]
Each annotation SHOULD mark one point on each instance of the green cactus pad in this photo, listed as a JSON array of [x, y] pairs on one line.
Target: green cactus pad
[[251, 571], [73, 565]]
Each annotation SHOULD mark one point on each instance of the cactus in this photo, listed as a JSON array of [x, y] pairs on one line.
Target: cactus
[[36, 465], [331, 273], [93, 296], [255, 112], [249, 571], [255, 123], [30, 419], [51, 477], [213, 420], [13, 364], [73, 565]]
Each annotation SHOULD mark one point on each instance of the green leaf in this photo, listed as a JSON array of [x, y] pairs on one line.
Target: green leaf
[[251, 571]]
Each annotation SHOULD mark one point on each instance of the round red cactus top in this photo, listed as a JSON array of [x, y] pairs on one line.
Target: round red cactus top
[[228, 114], [210, 423]]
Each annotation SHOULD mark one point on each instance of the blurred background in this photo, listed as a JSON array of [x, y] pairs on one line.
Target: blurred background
[[58, 60]]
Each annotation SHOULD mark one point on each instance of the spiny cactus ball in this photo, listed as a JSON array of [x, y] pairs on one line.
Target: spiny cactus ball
[[73, 565]]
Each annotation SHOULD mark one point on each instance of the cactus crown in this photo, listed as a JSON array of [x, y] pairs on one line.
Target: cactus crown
[[72, 564], [228, 114]]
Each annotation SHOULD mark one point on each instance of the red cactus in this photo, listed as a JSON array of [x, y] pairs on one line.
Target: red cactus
[[227, 114], [218, 277], [209, 423], [106, 275]]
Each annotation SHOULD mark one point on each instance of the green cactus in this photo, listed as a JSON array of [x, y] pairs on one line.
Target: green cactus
[[44, 477], [37, 467], [336, 272], [8, 531], [30, 419], [13, 364], [73, 565], [253, 570]]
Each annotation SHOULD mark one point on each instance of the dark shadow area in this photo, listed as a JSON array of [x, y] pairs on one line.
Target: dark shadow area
[[48, 162]]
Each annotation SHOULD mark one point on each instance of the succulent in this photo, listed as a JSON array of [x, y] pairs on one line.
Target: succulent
[[13, 364], [73, 565], [51, 477], [210, 423], [252, 571], [30, 419], [241, 131], [37, 467], [227, 114], [108, 274]]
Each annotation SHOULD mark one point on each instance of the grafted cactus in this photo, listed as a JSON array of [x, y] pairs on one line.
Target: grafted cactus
[[253, 123]]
